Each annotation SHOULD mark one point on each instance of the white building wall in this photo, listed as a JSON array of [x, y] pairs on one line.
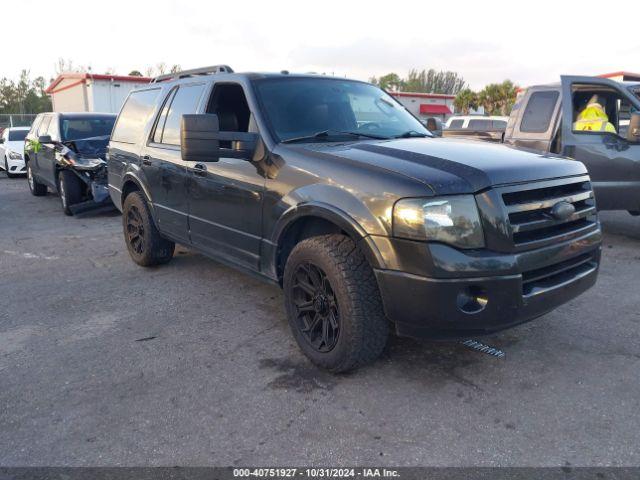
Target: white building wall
[[107, 96], [70, 99], [413, 105]]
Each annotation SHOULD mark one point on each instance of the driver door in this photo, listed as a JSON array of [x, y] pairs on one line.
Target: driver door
[[612, 159]]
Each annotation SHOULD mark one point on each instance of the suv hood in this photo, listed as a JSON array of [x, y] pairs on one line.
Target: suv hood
[[450, 166]]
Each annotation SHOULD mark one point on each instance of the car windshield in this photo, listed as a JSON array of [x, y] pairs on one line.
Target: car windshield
[[17, 135], [327, 109], [85, 127]]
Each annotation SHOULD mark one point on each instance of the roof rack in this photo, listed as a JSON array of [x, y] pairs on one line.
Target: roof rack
[[212, 70]]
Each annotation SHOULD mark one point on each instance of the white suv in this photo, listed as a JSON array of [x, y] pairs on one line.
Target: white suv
[[12, 151]]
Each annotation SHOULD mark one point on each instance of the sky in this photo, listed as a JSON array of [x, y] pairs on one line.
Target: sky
[[485, 41]]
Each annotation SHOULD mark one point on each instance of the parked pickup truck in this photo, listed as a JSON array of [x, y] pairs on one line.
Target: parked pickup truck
[[331, 189], [542, 121]]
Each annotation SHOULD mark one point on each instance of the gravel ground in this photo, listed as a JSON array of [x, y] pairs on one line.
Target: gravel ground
[[105, 363]]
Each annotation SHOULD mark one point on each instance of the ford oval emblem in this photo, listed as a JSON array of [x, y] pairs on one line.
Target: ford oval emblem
[[562, 210]]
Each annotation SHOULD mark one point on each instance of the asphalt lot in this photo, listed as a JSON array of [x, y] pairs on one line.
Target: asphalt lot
[[105, 363]]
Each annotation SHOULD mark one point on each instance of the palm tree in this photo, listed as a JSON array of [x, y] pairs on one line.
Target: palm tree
[[465, 101], [498, 98]]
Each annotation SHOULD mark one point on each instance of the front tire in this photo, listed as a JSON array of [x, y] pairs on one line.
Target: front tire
[[144, 242], [36, 188], [70, 189], [333, 303]]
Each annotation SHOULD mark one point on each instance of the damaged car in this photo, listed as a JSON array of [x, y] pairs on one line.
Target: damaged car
[[66, 153]]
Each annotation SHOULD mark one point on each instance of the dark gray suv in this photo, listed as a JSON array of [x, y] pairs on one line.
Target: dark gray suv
[[331, 189]]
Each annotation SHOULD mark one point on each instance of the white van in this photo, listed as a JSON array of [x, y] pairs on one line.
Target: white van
[[477, 122]]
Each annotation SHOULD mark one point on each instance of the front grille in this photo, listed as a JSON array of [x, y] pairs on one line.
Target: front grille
[[529, 208], [553, 276]]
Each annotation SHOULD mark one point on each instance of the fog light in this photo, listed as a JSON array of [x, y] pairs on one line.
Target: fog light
[[472, 299]]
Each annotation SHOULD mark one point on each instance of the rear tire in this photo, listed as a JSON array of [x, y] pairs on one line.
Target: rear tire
[[333, 303], [144, 242], [6, 169], [36, 188], [70, 189]]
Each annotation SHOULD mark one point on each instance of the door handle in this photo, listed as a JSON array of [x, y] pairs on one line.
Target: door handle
[[146, 160], [199, 169]]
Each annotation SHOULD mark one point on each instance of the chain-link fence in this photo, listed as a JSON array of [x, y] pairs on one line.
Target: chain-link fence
[[16, 120]]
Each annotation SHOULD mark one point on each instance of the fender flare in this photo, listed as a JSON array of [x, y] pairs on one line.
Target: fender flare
[[334, 215], [132, 177]]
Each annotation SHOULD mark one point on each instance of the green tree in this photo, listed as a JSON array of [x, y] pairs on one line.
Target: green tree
[[390, 81], [23, 96], [498, 98], [431, 81], [135, 73], [465, 101]]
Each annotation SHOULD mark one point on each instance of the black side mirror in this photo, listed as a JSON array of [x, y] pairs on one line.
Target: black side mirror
[[201, 140], [45, 139], [633, 134], [434, 125], [1, 140], [198, 142]]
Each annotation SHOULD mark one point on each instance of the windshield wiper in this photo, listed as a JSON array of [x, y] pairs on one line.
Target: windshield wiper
[[411, 134], [330, 133]]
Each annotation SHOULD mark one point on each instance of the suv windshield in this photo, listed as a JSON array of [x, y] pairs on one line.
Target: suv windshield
[[302, 108], [85, 127], [17, 135]]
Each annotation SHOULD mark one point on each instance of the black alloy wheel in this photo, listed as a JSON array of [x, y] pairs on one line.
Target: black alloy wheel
[[318, 313], [135, 230]]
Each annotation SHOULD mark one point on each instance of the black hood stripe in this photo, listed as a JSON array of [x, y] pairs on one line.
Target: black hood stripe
[[477, 179]]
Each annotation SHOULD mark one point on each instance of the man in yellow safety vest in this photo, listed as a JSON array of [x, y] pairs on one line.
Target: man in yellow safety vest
[[593, 118]]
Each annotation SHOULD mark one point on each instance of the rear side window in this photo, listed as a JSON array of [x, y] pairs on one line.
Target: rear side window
[[480, 124], [135, 115], [537, 115], [36, 125], [44, 125], [456, 124], [499, 124], [157, 133], [184, 101]]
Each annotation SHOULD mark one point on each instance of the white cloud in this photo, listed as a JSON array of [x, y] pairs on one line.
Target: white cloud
[[528, 42]]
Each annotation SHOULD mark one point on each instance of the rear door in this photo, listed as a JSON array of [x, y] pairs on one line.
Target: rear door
[[613, 159], [534, 119], [164, 169], [129, 134]]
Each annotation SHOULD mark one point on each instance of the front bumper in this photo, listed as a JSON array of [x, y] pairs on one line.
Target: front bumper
[[16, 166], [483, 292]]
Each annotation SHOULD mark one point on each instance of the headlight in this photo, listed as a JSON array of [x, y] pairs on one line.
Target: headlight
[[88, 162], [85, 163], [453, 220], [15, 156]]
